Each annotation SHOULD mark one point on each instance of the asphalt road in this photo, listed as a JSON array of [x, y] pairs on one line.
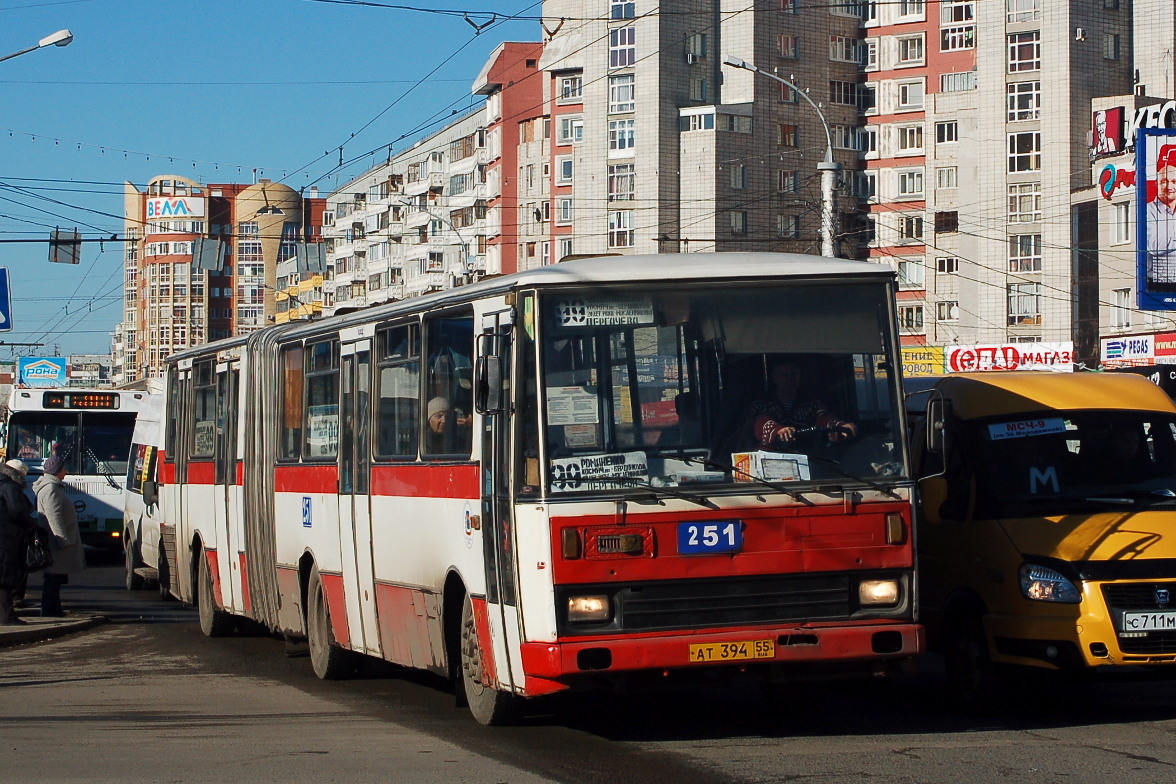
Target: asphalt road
[[148, 698]]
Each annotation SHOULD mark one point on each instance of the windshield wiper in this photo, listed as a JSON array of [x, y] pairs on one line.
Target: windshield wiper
[[837, 467], [108, 474], [638, 481], [707, 462]]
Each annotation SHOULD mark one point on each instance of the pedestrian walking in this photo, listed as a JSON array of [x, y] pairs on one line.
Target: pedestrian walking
[[16, 523], [66, 544]]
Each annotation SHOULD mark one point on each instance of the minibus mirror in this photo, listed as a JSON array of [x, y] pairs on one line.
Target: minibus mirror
[[150, 492], [489, 385], [936, 424]]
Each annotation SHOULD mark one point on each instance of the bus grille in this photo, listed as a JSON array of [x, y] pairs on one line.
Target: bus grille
[[1141, 597], [729, 602]]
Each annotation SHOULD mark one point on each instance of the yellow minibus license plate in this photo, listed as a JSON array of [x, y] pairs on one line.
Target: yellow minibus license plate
[[732, 651]]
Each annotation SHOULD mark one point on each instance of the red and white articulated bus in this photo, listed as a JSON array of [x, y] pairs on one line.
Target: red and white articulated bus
[[549, 480]]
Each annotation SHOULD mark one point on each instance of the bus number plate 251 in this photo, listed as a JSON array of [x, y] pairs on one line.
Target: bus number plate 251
[[732, 651], [710, 537]]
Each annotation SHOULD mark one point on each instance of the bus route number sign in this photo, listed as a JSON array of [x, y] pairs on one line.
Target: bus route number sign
[[710, 537]]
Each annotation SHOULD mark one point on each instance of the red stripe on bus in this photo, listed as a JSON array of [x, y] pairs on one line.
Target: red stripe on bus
[[306, 479], [202, 473], [240, 473], [167, 473], [210, 556], [336, 606], [426, 481], [405, 615], [244, 582], [482, 624]]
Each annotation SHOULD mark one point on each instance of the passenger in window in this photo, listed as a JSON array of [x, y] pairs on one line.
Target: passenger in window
[[448, 430], [785, 412]]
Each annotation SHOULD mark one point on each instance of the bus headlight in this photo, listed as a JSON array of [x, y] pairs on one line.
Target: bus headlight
[[1042, 584], [877, 593], [583, 609]]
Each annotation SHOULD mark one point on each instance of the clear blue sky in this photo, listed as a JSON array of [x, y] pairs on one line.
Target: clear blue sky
[[210, 90]]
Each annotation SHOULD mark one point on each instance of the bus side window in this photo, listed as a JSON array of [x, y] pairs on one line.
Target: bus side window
[[449, 343], [398, 391], [290, 445]]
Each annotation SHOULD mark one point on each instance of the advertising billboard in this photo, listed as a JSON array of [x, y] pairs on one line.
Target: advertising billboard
[[41, 372], [1155, 172]]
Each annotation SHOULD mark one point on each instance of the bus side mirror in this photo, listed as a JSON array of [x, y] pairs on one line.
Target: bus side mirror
[[936, 424], [488, 399]]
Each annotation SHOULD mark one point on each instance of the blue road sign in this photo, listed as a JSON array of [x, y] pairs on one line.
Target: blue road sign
[[5, 302]]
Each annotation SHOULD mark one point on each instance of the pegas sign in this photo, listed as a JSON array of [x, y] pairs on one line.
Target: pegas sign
[[178, 207], [1127, 351], [1058, 357]]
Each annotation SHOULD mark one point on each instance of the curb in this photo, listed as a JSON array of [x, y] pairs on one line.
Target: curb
[[46, 629]]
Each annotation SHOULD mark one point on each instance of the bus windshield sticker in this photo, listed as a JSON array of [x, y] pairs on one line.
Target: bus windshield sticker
[[616, 310], [598, 472], [1026, 427], [580, 436], [205, 437], [571, 406]]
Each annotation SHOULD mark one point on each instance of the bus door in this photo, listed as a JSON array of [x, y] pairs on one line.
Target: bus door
[[226, 496], [494, 349], [355, 518]]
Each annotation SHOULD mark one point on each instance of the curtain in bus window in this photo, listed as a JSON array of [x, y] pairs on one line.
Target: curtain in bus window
[[291, 438], [449, 342]]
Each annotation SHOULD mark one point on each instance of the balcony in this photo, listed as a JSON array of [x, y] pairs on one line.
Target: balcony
[[430, 182]]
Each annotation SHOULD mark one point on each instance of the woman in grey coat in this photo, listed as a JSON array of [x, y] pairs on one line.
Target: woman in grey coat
[[68, 556]]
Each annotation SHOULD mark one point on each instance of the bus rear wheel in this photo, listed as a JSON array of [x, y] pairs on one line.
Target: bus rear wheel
[[214, 622], [329, 660], [489, 705]]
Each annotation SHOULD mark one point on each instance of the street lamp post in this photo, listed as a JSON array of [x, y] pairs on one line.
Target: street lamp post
[[828, 167], [60, 38]]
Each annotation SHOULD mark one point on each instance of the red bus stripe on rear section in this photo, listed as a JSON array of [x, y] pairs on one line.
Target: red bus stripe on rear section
[[337, 607], [202, 473], [307, 479], [445, 480]]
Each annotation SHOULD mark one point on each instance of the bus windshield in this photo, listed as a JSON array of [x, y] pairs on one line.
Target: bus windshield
[[1058, 461], [727, 385], [90, 442]]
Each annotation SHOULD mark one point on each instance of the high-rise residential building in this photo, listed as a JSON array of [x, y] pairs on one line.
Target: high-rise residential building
[[201, 263]]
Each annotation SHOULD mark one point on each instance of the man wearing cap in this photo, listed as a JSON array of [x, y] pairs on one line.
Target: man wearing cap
[[1161, 223], [68, 556], [16, 521]]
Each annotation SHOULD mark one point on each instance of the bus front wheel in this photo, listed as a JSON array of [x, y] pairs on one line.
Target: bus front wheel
[[329, 660], [214, 622], [131, 561], [489, 705]]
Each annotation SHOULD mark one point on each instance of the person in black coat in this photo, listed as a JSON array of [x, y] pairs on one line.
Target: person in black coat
[[16, 522]]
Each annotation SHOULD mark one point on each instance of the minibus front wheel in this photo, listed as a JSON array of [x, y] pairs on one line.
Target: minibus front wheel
[[978, 684]]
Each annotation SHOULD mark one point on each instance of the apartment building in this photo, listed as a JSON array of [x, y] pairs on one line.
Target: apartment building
[[201, 263]]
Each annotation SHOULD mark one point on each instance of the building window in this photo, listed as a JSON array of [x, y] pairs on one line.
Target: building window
[[910, 274], [957, 82], [947, 310], [738, 175], [958, 38], [910, 139], [621, 137], [953, 12], [1025, 202], [947, 265], [788, 6], [907, 9], [1023, 10], [1025, 51], [622, 9], [865, 184], [910, 319], [620, 229], [565, 249], [622, 182], [867, 97], [788, 226], [571, 89], [867, 141], [1024, 304], [946, 132], [844, 137], [1024, 101], [571, 130], [622, 94], [786, 46], [869, 53], [736, 123], [910, 50], [699, 91], [622, 47], [843, 49], [787, 93], [697, 122], [910, 183], [785, 135], [946, 178], [1025, 151], [786, 181], [738, 221], [564, 169], [696, 45], [1120, 308], [1025, 253], [910, 228], [1121, 230], [947, 222], [910, 95], [1111, 46], [844, 93]]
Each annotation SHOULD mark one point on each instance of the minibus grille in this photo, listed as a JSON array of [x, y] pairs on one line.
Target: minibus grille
[[1143, 597], [718, 603]]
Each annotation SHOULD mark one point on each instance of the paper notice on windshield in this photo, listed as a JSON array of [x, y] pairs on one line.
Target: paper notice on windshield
[[598, 472], [1026, 427], [571, 406], [616, 310]]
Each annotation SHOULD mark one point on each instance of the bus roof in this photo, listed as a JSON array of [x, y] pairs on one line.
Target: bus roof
[[32, 398], [1002, 393], [661, 269]]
